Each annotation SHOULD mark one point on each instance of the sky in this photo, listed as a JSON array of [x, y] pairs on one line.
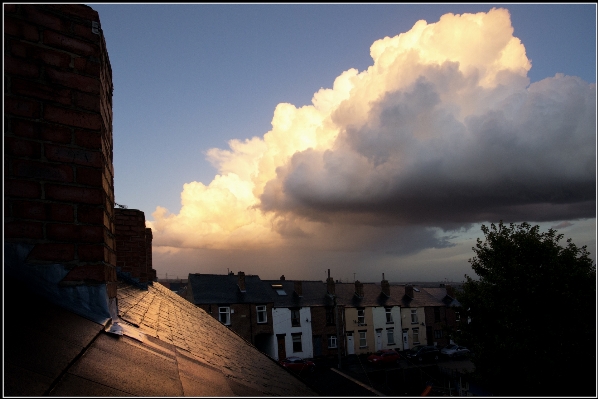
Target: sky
[[365, 139]]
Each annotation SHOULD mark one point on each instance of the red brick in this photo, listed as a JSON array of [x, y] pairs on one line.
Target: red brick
[[72, 117], [86, 101], [18, 49], [16, 66], [50, 57], [77, 156], [96, 272], [87, 66], [40, 91], [21, 107], [20, 29], [10, 8], [70, 44], [73, 80], [56, 134], [85, 32], [90, 177], [29, 210], [22, 188], [74, 194], [25, 128], [37, 16], [52, 252], [22, 229], [88, 139], [87, 214], [43, 171], [92, 253], [78, 10], [61, 212], [72, 232], [22, 148]]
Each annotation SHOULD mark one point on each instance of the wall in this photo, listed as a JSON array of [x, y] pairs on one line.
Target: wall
[[281, 320], [406, 324], [133, 245], [319, 327], [59, 177], [379, 317], [351, 325]]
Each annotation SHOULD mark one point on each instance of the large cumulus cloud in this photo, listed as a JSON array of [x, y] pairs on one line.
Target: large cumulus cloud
[[442, 131]]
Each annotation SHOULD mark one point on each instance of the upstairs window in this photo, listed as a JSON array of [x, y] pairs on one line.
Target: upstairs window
[[224, 315], [457, 316], [262, 316], [360, 316], [295, 318], [414, 316], [330, 316], [388, 315]]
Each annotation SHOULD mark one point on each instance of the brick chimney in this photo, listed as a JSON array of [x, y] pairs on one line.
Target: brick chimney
[[58, 170], [330, 284], [359, 289], [242, 282], [133, 245], [282, 277], [299, 288], [450, 291], [409, 291], [385, 286]]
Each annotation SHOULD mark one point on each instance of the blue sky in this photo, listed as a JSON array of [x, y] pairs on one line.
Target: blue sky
[[191, 77]]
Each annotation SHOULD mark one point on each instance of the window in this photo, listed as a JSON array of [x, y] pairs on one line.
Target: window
[[436, 314], [416, 336], [363, 343], [224, 315], [278, 288], [331, 341], [295, 318], [457, 316], [360, 316], [330, 316], [296, 342], [388, 315], [262, 316], [390, 334], [414, 316], [437, 334]]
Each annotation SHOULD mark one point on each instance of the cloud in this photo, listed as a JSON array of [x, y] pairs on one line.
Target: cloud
[[442, 131]]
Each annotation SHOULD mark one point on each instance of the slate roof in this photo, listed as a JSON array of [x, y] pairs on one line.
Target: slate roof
[[314, 294], [441, 295], [224, 289], [169, 347], [372, 295]]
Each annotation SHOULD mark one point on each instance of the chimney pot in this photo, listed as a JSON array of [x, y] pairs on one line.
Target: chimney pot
[[385, 287], [282, 277], [330, 284], [359, 288]]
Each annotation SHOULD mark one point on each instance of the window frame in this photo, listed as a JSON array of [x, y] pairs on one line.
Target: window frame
[[332, 342], [297, 342], [414, 318], [363, 338], [226, 312], [388, 312], [415, 334], [438, 334], [361, 316], [390, 336], [295, 317], [261, 310]]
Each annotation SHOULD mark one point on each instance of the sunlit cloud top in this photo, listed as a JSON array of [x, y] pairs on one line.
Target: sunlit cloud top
[[442, 130]]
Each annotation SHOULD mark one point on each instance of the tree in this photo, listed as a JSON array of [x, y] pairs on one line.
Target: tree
[[532, 313]]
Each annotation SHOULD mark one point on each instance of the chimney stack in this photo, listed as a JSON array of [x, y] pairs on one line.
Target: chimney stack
[[359, 288], [330, 284], [385, 286], [242, 281], [282, 277], [299, 288], [450, 291], [409, 291]]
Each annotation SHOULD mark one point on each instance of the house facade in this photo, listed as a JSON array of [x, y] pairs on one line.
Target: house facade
[[413, 317]]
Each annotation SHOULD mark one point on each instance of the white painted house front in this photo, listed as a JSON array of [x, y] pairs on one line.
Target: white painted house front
[[387, 327], [292, 328]]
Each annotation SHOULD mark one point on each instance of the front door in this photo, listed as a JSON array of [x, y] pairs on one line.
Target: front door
[[405, 340], [378, 340], [350, 346], [317, 340], [282, 352]]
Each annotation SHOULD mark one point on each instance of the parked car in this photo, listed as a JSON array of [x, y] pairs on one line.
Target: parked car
[[454, 351], [422, 353], [298, 364], [384, 356]]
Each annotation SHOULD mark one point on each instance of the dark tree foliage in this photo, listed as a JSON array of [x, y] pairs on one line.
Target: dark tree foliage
[[532, 313]]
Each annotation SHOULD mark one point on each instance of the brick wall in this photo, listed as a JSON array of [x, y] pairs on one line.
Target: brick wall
[[133, 245], [59, 177], [321, 328]]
